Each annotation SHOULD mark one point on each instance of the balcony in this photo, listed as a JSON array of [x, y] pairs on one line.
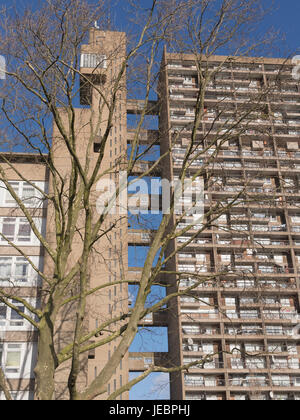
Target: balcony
[[239, 364], [195, 330], [244, 331], [187, 314], [290, 383], [248, 383], [288, 365], [276, 332], [230, 269], [204, 383]]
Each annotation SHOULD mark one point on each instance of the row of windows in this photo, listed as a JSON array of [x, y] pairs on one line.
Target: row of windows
[[89, 60]]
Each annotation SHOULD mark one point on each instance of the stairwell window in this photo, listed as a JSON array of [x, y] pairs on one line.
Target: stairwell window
[[93, 61]]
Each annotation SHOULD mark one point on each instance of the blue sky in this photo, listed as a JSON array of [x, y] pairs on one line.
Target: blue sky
[[284, 18]]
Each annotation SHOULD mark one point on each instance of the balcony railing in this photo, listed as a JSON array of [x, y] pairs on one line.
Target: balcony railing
[[234, 332], [236, 269], [191, 330], [254, 383], [240, 315], [203, 383], [240, 284], [285, 365]]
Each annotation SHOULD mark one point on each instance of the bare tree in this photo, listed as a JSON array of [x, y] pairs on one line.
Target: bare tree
[[41, 115]]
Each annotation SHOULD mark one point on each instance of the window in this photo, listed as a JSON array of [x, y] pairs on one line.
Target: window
[[275, 348], [241, 397], [13, 358], [251, 314], [21, 269], [191, 329], [210, 381], [188, 80], [18, 230], [274, 329], [255, 363], [281, 380], [18, 271], [285, 302], [15, 318], [208, 348], [3, 314], [8, 228], [10, 319], [30, 196], [296, 381], [16, 359], [212, 397], [203, 300], [237, 363], [148, 361], [24, 231], [5, 268], [8, 197], [230, 301], [235, 348], [231, 313], [237, 380]]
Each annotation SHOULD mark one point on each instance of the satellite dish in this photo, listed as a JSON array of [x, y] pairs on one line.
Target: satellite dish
[[96, 25], [271, 395], [190, 341]]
